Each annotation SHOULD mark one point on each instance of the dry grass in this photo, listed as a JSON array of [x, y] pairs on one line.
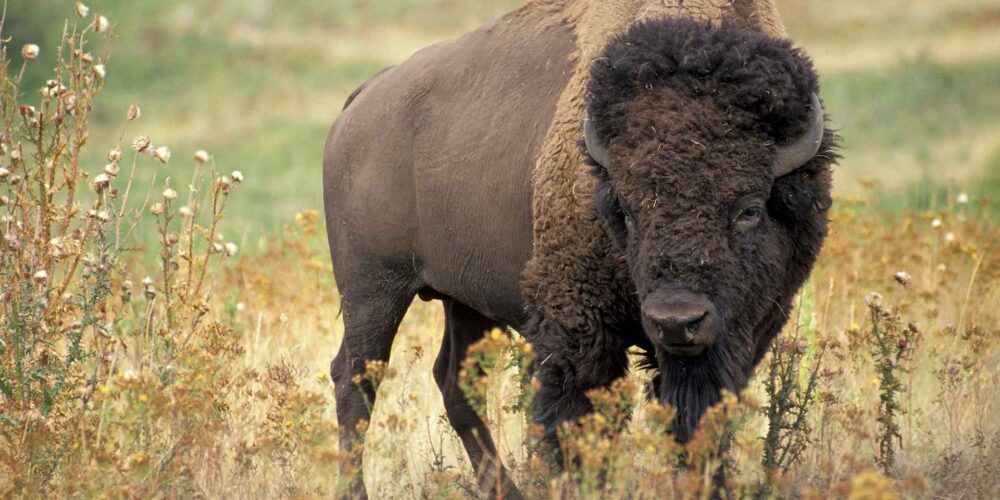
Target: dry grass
[[210, 378]]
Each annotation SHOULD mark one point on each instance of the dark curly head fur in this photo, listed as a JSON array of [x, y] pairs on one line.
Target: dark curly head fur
[[692, 115]]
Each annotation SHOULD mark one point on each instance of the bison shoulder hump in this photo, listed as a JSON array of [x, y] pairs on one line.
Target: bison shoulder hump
[[354, 95]]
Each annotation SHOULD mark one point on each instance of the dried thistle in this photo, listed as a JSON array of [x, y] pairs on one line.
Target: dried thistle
[[903, 278], [141, 143], [101, 24], [202, 157], [162, 154], [30, 51]]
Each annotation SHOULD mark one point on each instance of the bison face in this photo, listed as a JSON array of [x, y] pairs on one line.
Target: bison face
[[713, 182], [689, 211], [716, 245], [687, 200]]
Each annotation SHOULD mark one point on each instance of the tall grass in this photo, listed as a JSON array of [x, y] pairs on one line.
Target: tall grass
[[111, 383]]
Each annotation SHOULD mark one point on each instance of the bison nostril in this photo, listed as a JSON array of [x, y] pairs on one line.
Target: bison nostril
[[679, 318], [692, 327]]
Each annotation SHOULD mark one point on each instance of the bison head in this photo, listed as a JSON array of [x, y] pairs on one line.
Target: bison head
[[713, 167]]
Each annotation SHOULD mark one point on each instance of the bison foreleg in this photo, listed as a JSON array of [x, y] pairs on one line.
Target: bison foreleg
[[569, 364], [463, 327]]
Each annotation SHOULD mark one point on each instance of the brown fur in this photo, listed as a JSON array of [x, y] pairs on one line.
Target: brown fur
[[570, 258], [562, 187]]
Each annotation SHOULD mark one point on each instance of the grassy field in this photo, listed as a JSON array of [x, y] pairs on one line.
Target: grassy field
[[259, 83], [218, 387]]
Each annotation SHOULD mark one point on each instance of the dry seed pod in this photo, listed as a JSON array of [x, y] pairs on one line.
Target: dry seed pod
[[101, 24], [874, 300], [101, 182], [903, 278], [162, 154], [201, 156], [140, 144], [30, 51]]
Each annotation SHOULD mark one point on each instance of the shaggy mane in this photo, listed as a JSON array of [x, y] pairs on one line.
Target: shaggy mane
[[757, 73]]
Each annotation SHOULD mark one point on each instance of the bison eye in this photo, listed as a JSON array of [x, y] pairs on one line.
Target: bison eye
[[749, 217], [627, 214], [629, 222]]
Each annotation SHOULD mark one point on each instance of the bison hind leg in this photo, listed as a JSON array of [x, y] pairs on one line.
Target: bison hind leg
[[463, 327], [373, 306]]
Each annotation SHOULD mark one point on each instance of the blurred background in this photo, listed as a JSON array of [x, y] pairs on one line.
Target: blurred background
[[911, 84]]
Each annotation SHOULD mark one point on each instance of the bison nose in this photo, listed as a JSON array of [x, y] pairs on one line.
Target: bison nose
[[680, 321]]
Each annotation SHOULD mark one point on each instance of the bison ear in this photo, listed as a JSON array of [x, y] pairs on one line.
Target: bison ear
[[800, 195]]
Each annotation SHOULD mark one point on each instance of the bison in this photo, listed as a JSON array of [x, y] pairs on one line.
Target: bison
[[595, 178]]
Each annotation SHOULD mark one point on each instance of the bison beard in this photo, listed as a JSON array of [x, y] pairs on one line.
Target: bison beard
[[694, 385], [581, 348]]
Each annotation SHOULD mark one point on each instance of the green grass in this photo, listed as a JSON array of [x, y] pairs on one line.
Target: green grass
[[258, 85], [921, 129], [914, 104]]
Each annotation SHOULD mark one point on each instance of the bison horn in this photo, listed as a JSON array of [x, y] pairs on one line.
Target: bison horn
[[598, 151], [796, 154]]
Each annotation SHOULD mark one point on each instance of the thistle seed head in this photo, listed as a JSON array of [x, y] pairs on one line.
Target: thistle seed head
[[162, 154], [101, 24], [903, 278], [101, 182], [30, 51], [201, 156], [140, 144]]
